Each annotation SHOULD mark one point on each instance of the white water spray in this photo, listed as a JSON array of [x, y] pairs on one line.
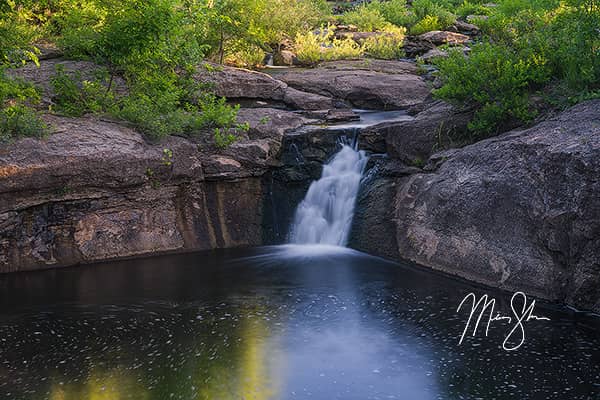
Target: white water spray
[[325, 215]]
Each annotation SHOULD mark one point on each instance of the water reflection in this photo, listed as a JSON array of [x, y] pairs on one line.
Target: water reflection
[[279, 323]]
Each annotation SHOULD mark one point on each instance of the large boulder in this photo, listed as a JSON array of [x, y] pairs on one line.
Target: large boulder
[[520, 211], [413, 141], [361, 86], [238, 83]]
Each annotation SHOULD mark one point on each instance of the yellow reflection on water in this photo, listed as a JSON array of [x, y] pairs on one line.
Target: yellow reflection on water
[[115, 384], [248, 365], [256, 371]]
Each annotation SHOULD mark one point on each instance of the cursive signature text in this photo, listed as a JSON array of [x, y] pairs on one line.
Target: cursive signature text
[[484, 309]]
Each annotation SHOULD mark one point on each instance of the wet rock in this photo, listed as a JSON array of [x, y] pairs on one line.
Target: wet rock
[[307, 101], [237, 83], [234, 83], [96, 190]]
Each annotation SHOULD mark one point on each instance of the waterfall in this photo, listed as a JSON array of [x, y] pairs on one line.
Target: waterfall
[[325, 214]]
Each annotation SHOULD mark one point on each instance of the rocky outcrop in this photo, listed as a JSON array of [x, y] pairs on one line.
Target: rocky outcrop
[[237, 83], [519, 212], [96, 190], [362, 86], [413, 141]]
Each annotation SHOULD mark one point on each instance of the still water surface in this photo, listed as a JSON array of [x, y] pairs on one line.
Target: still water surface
[[286, 322]]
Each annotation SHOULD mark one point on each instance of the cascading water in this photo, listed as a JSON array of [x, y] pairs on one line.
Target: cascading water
[[325, 214]]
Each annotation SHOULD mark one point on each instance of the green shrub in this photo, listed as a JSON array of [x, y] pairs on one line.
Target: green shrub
[[308, 46], [493, 79], [387, 46], [438, 9], [18, 120], [16, 37], [367, 19], [75, 97], [312, 47], [427, 24], [394, 12], [469, 8]]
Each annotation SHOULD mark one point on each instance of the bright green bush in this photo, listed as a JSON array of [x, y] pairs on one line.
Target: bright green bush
[[365, 18], [16, 36], [17, 117], [471, 8], [312, 47], [387, 46], [18, 120], [427, 24], [394, 11], [436, 9], [493, 79]]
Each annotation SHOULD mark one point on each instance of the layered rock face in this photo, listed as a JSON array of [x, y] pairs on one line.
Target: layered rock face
[[519, 212], [96, 190]]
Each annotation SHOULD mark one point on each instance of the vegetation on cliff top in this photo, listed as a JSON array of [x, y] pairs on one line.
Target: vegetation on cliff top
[[530, 55]]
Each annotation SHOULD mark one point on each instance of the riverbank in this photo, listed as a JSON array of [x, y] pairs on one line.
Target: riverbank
[[517, 212]]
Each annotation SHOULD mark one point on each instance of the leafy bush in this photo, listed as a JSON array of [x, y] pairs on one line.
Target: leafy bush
[[394, 12], [75, 97], [434, 9], [427, 24], [17, 118], [312, 47], [387, 46], [469, 8], [366, 18], [15, 37], [493, 79]]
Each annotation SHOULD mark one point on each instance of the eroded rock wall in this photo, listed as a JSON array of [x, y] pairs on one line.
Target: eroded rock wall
[[518, 212]]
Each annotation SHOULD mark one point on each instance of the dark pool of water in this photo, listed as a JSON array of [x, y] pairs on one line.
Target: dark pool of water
[[275, 323]]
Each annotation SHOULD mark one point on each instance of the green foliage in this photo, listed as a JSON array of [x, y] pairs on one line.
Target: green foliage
[[434, 9], [74, 96], [312, 47], [366, 18], [471, 8], [16, 36], [427, 24], [495, 80], [387, 46], [535, 44], [394, 11], [18, 120], [237, 31]]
